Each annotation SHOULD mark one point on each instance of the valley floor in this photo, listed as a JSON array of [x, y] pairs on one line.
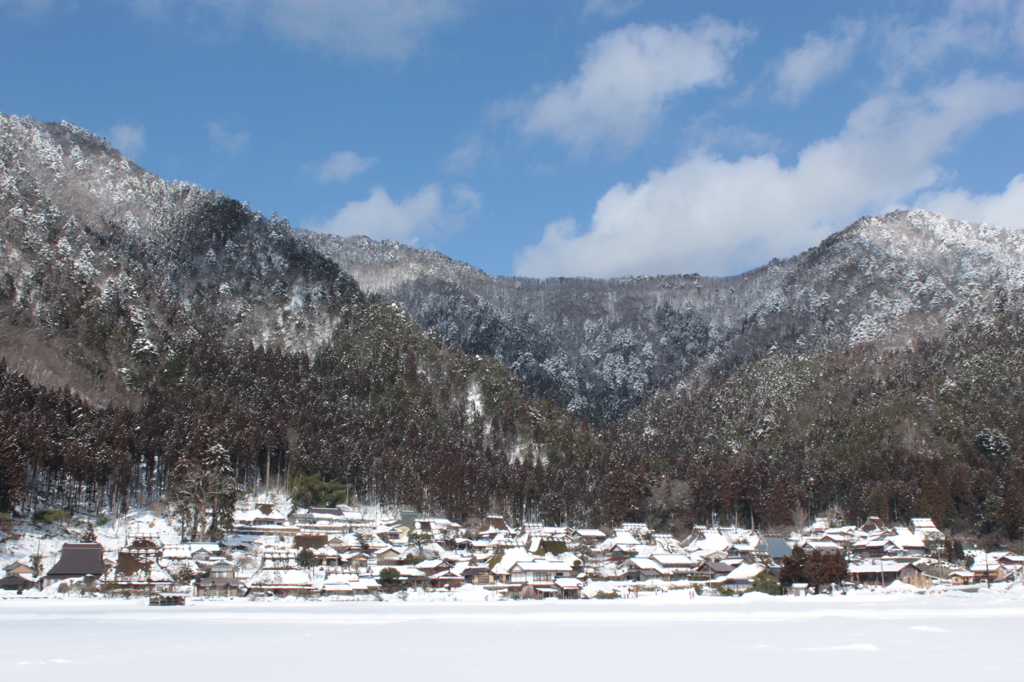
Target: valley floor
[[668, 636]]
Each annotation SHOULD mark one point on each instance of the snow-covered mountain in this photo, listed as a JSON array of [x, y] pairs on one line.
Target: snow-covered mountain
[[104, 264], [877, 373], [600, 347]]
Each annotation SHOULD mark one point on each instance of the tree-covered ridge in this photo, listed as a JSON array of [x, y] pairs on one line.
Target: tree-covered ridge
[[402, 419], [166, 342], [600, 347], [932, 428], [105, 267]]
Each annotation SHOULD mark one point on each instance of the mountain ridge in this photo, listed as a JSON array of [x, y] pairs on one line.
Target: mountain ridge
[[876, 373], [690, 325]]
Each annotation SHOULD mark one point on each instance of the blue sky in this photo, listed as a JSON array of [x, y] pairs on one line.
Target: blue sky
[[580, 137]]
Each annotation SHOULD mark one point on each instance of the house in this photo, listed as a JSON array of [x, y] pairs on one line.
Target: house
[[194, 551], [342, 585], [139, 572], [223, 582], [904, 543], [309, 540], [495, 523], [18, 568], [280, 557], [17, 582], [961, 577], [542, 546], [883, 572], [280, 583], [569, 588], [714, 569], [354, 560], [926, 530], [387, 556], [741, 576], [538, 572], [589, 536], [987, 570], [873, 525], [774, 548], [444, 580], [478, 575], [637, 568], [263, 516], [676, 566], [77, 560], [407, 575]]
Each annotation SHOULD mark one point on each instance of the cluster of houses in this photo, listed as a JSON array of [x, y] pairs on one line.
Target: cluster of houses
[[343, 552]]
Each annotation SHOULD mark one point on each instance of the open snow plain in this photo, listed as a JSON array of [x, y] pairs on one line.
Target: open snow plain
[[861, 636]]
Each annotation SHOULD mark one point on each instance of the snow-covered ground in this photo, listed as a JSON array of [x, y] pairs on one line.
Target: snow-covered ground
[[669, 636]]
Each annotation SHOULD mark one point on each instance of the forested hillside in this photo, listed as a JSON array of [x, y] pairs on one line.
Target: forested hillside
[[165, 343], [599, 347], [185, 324], [932, 428]]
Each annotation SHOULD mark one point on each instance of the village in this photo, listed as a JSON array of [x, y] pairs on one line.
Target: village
[[345, 552]]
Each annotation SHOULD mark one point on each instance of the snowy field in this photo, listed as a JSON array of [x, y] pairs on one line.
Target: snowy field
[[861, 636]]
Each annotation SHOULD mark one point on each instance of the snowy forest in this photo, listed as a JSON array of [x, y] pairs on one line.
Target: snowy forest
[[152, 331]]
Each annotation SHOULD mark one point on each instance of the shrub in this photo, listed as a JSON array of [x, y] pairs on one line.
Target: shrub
[[306, 558], [765, 583], [50, 515], [606, 595], [389, 580]]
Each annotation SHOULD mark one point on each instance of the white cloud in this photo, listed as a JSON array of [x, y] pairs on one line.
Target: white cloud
[[816, 60], [28, 7], [627, 76], [374, 28], [1005, 209], [610, 9], [369, 28], [466, 156], [127, 138], [343, 165], [715, 216], [974, 26], [423, 214], [229, 142]]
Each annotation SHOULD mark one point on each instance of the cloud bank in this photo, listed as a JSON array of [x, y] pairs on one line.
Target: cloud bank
[[342, 166], [626, 78], [365, 28], [816, 60], [714, 216], [227, 141], [127, 138], [424, 214]]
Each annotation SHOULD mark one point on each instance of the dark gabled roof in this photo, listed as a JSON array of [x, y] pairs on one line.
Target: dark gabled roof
[[331, 511], [15, 581], [78, 559], [776, 548]]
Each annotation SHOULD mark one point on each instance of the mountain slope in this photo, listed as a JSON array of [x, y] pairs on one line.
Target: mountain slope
[[187, 325], [153, 333], [599, 347]]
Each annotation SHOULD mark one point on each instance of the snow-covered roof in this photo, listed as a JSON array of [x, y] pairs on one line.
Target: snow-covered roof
[[645, 564], [282, 577], [745, 572]]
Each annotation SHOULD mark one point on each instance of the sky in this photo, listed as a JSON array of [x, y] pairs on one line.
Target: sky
[[572, 138]]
